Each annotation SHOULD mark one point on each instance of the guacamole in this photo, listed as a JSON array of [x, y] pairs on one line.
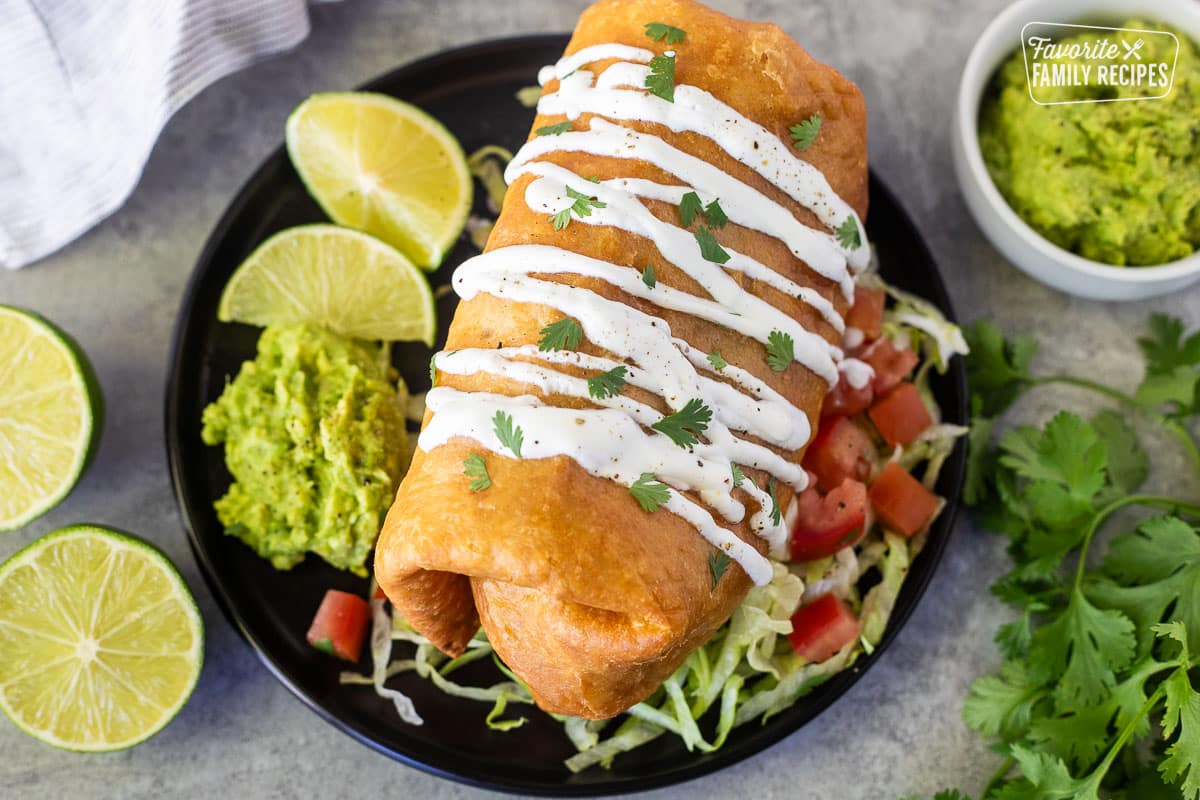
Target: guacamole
[[314, 437], [1115, 182]]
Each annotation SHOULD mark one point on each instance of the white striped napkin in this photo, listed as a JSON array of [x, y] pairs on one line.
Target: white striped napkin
[[85, 88]]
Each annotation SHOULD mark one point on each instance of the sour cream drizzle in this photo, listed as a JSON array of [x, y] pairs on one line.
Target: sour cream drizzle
[[753, 425]]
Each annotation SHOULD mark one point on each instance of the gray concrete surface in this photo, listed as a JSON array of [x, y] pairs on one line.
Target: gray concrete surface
[[118, 287]]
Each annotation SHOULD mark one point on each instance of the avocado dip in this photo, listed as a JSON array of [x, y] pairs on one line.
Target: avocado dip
[[314, 437], [1115, 182]]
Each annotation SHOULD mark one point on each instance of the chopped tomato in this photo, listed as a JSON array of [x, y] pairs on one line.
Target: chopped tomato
[[823, 627], [900, 415], [891, 365], [340, 625], [839, 451], [846, 401], [826, 524], [867, 312], [380, 594], [903, 504]]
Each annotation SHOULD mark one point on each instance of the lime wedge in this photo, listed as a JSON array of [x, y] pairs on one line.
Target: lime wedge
[[351, 283], [101, 638], [51, 412], [385, 167]]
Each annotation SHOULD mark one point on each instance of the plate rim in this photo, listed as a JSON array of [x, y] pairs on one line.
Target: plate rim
[[757, 741]]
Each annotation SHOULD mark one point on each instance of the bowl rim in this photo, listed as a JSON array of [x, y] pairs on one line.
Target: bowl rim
[[975, 78]]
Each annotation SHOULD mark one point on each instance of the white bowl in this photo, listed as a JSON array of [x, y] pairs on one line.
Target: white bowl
[[1025, 247]]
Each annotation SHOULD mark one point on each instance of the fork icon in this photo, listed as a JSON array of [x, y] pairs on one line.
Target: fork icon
[[1132, 49]]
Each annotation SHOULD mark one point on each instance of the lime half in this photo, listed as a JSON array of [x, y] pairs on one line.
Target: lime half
[[102, 642], [50, 416], [385, 167], [351, 283]]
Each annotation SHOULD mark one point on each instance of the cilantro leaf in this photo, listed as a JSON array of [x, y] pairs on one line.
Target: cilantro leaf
[[1127, 464], [433, 370], [565, 334], [716, 361], [776, 513], [1182, 714], [659, 31], [739, 477], [980, 460], [661, 80], [475, 467], [581, 207], [709, 247], [781, 350], [1002, 705], [1081, 651], [804, 133], [554, 130], [997, 369], [849, 235], [649, 492], [1165, 348], [607, 384], [1067, 453], [685, 425], [717, 564], [1046, 778], [1013, 638], [648, 276], [715, 214], [689, 207], [509, 435]]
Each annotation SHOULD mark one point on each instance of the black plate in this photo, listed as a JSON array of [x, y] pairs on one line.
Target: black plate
[[470, 90]]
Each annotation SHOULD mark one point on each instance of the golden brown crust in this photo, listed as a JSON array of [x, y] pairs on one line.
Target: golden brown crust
[[590, 599]]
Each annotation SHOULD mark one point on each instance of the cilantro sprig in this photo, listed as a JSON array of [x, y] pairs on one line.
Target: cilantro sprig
[[660, 31], [685, 425], [475, 467], [648, 276], [781, 350], [510, 435], [649, 493], [607, 384], [710, 248], [554, 130], [581, 207], [691, 206], [848, 234], [804, 133], [718, 563], [565, 334], [1099, 660], [661, 80]]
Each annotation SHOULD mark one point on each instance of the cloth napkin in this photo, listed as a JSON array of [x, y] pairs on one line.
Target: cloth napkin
[[85, 88]]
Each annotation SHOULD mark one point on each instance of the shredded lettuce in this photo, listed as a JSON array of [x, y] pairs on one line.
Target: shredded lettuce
[[487, 164]]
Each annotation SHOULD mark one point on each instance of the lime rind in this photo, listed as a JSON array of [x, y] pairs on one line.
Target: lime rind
[[114, 537], [427, 251], [283, 305], [89, 434]]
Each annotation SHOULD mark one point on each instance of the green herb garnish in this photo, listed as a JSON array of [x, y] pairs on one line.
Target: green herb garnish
[[805, 133], [739, 477], [689, 207], [649, 492], [475, 467], [607, 384], [660, 31], [709, 247], [433, 370], [509, 435], [781, 350], [554, 130], [566, 334], [661, 80], [715, 214], [717, 564], [648, 276], [776, 515], [848, 234], [582, 207], [716, 360], [685, 425]]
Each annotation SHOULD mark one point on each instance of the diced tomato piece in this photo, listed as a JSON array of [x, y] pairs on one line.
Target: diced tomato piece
[[380, 594], [826, 524], [900, 415], [903, 504], [839, 451], [823, 627], [867, 312], [340, 625], [846, 401], [891, 365]]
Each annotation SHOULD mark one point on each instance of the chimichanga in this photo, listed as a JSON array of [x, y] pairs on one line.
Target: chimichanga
[[639, 357]]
